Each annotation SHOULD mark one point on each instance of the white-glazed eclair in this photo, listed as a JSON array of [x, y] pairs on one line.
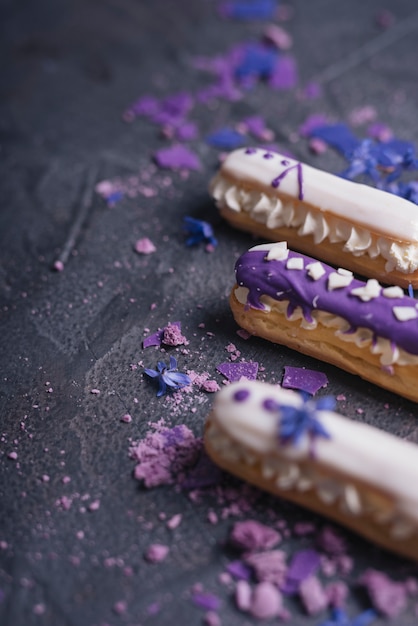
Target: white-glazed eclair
[[368, 231], [351, 472], [362, 327]]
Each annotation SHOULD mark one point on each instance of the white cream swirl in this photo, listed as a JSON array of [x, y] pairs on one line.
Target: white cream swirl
[[275, 212]]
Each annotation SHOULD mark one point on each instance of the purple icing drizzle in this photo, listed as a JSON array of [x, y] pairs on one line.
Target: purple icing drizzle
[[298, 166], [273, 279]]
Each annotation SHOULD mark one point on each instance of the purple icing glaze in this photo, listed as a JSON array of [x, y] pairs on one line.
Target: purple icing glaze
[[241, 395], [273, 279]]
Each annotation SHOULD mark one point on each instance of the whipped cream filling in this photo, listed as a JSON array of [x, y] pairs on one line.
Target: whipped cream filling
[[361, 337], [275, 212], [246, 432]]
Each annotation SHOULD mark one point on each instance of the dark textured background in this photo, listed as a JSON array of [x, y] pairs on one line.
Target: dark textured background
[[68, 70]]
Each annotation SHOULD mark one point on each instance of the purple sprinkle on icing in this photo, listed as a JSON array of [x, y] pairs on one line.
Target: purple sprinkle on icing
[[241, 395], [268, 155], [270, 405], [251, 151]]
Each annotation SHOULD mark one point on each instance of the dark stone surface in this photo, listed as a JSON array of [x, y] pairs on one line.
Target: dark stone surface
[[69, 69]]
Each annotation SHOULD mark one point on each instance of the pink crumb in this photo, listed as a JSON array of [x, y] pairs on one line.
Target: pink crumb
[[144, 246], [58, 266], [127, 419], [266, 601], [175, 521], [94, 506], [243, 595], [313, 596], [120, 607], [156, 553], [251, 535], [12, 456]]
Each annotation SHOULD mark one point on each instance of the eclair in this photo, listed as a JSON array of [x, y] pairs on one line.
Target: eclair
[[362, 327], [371, 232], [302, 450]]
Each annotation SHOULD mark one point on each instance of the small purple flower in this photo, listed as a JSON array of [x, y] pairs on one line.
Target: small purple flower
[[297, 421], [168, 376], [363, 161], [199, 231], [340, 618]]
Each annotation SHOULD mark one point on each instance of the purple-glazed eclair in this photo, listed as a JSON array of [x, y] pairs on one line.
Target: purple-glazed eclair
[[363, 327]]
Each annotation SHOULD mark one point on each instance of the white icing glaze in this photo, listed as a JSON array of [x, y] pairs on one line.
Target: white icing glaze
[[368, 220], [355, 452]]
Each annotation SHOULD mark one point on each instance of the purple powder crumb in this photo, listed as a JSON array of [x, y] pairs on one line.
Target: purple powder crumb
[[154, 608], [177, 157], [303, 564], [266, 601], [235, 371], [207, 601], [331, 542], [144, 246], [156, 339], [312, 595], [285, 74], [337, 593], [120, 607], [156, 553], [164, 455], [303, 379], [172, 335], [251, 536], [269, 566], [387, 596]]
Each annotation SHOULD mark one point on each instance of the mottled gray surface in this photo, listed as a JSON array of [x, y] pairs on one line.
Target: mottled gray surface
[[69, 69]]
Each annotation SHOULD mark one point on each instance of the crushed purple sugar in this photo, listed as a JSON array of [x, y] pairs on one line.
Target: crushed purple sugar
[[177, 157], [266, 601], [330, 541], [156, 553], [313, 595], [284, 75], [206, 600], [268, 566], [144, 246], [163, 457], [170, 335], [239, 570], [303, 379], [236, 371], [255, 125], [387, 596], [251, 535], [304, 564]]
